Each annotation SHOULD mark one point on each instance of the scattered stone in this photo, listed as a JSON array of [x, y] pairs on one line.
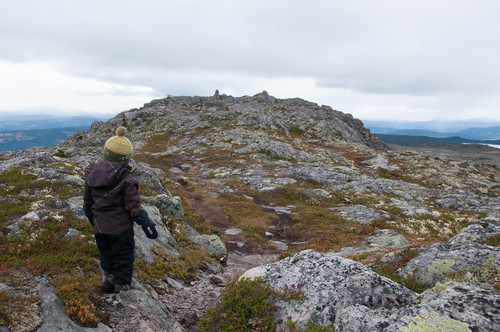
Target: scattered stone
[[281, 246], [73, 232], [388, 238], [31, 216], [233, 231], [360, 213]]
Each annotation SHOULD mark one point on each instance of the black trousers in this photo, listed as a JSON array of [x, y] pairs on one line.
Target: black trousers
[[117, 255]]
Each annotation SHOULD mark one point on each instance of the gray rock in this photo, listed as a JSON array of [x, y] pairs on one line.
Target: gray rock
[[73, 232], [476, 233], [144, 246], [168, 205], [53, 316], [467, 303], [388, 238], [330, 284], [440, 260], [233, 231], [280, 245], [213, 244], [149, 308], [75, 180], [360, 213], [408, 209]]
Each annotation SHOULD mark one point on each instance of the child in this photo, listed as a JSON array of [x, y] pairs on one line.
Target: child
[[111, 203]]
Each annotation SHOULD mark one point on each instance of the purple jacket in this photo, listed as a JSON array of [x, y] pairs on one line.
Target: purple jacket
[[111, 193]]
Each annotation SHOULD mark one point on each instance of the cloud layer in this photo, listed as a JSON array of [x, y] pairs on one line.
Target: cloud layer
[[381, 59]]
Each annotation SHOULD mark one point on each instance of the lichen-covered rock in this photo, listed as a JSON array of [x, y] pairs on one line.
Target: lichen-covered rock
[[148, 176], [144, 246], [330, 284], [388, 238], [360, 213], [476, 233], [213, 244], [467, 303], [168, 205], [442, 260]]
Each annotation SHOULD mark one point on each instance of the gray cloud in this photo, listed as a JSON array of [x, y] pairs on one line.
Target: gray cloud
[[432, 49]]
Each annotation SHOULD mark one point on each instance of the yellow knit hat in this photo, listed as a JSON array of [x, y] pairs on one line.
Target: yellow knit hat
[[118, 148]]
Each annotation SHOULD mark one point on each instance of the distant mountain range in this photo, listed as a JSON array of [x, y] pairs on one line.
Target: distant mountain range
[[24, 139], [20, 132], [469, 130], [408, 140], [11, 122]]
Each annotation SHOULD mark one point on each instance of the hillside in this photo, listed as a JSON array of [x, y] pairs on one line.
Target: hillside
[[364, 237]]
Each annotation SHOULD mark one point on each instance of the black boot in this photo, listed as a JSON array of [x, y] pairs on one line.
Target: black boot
[[124, 287], [108, 283]]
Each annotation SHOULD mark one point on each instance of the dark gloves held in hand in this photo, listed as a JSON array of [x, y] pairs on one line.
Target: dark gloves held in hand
[[89, 214], [148, 226]]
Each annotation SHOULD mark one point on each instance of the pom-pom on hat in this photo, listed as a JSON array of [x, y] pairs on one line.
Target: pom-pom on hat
[[118, 148]]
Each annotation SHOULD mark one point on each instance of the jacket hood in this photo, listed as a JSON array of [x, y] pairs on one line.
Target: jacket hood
[[105, 174]]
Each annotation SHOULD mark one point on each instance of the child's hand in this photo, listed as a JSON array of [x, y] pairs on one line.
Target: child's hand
[[149, 229], [148, 226]]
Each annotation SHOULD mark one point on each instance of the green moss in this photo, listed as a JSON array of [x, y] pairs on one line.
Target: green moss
[[296, 131], [10, 210], [492, 240]]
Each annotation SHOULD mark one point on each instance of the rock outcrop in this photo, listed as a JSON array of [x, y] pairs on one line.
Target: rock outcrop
[[351, 297]]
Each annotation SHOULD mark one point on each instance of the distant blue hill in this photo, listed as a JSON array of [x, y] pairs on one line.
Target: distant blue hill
[[15, 140], [448, 142], [437, 129], [45, 121]]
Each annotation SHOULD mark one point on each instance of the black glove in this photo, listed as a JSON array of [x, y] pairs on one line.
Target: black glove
[[148, 226], [89, 214]]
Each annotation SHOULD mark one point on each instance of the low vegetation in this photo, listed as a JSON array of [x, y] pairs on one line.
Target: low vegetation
[[249, 305]]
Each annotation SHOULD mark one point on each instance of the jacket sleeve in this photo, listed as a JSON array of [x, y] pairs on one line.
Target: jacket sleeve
[[87, 197], [131, 197]]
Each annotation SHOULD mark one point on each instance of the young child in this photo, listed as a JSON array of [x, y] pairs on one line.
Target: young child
[[112, 204]]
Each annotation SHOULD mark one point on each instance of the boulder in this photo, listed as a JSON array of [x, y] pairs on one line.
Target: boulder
[[331, 284], [168, 205], [211, 243], [476, 233], [388, 238], [144, 247], [442, 260], [464, 252]]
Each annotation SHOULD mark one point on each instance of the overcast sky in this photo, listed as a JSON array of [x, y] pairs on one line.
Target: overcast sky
[[374, 59]]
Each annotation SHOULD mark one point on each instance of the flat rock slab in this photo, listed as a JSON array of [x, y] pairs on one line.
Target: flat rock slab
[[360, 213]]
